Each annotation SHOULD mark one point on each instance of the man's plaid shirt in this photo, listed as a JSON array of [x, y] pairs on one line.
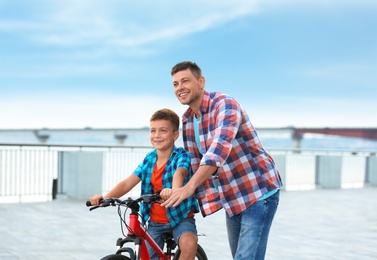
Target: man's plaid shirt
[[245, 170]]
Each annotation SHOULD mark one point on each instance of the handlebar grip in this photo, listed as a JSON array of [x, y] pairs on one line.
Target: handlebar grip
[[89, 204]]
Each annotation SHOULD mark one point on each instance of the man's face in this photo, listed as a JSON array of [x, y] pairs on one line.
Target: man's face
[[187, 88]]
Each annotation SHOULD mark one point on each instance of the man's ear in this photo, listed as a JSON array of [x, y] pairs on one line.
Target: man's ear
[[202, 82]]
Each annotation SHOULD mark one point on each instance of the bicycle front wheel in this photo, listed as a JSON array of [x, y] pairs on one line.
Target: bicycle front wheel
[[200, 254], [116, 257]]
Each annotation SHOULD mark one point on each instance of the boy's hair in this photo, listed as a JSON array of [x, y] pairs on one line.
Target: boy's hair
[[167, 114], [184, 65]]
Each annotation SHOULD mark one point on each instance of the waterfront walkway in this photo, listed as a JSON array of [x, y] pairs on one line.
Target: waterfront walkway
[[318, 224]]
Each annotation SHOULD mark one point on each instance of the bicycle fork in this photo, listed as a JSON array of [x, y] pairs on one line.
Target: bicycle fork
[[139, 236]]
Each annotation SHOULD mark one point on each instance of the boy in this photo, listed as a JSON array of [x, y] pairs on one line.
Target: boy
[[165, 168]]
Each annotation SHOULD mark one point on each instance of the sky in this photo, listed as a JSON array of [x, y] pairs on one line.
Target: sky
[[106, 64]]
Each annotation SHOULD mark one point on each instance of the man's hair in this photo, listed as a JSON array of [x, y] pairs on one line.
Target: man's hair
[[167, 114], [184, 65]]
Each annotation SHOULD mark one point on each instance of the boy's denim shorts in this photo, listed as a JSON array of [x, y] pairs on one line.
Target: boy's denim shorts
[[186, 225], [157, 230]]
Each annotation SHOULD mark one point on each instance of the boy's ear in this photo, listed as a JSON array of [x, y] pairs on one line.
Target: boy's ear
[[176, 135]]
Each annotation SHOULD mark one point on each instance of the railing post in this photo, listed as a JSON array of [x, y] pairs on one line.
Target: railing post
[[54, 188], [371, 170], [1, 173], [280, 161], [328, 171], [81, 174]]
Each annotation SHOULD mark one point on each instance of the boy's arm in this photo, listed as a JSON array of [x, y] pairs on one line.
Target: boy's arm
[[123, 187], [178, 178], [119, 190]]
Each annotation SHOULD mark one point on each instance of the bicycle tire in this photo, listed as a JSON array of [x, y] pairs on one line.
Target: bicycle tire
[[116, 257], [200, 254]]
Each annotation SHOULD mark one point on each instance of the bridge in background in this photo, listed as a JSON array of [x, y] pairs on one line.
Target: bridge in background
[[365, 133]]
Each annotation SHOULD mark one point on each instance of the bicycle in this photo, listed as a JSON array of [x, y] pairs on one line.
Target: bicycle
[[138, 234]]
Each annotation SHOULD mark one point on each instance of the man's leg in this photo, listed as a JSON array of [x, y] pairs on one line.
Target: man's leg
[[254, 226], [233, 225]]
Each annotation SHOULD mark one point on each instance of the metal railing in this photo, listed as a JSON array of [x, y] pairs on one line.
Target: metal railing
[[40, 172], [27, 173], [34, 172]]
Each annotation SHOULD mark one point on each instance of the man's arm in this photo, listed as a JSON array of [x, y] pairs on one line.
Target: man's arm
[[179, 194]]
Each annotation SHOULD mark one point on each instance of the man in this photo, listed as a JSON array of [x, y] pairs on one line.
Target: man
[[231, 168]]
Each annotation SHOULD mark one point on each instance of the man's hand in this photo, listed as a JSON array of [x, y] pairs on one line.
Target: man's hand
[[178, 195]]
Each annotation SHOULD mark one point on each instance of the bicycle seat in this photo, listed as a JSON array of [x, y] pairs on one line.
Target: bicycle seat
[[169, 240]]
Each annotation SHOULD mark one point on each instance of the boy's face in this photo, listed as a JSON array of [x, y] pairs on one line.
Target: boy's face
[[162, 134]]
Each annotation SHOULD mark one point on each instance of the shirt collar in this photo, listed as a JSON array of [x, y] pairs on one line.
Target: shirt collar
[[154, 152]]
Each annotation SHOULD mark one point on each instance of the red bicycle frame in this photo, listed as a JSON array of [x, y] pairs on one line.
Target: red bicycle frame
[[138, 230]]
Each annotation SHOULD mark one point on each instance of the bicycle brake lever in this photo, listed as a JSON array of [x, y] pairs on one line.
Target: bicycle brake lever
[[88, 204], [94, 207]]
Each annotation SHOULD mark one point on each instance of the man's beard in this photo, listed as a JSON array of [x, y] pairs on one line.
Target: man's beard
[[191, 100]]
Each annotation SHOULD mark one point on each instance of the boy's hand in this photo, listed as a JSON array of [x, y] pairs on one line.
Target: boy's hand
[[178, 195], [165, 193], [94, 200]]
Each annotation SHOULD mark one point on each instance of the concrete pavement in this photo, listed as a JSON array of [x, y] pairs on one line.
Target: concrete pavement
[[318, 224]]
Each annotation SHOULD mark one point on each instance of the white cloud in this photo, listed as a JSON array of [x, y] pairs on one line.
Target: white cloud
[[342, 71], [112, 111], [85, 31], [119, 23], [315, 112], [79, 111], [333, 4]]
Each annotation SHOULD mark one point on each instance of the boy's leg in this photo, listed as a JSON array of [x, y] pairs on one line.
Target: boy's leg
[[248, 231], [186, 235], [157, 230]]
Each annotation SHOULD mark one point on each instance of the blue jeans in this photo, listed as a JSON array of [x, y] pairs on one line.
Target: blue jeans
[[248, 231], [157, 230]]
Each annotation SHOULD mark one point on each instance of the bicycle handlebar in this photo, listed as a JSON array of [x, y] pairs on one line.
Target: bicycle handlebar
[[131, 203]]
